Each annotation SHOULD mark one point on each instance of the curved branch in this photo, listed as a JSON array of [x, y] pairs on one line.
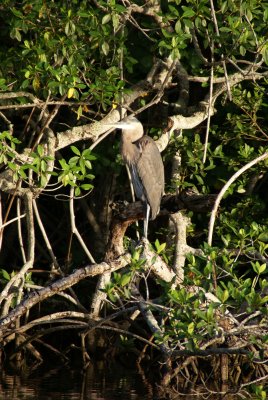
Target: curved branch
[[225, 188], [206, 107], [94, 130], [157, 79]]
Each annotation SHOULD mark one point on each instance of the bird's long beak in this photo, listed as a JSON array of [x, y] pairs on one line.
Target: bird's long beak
[[120, 125]]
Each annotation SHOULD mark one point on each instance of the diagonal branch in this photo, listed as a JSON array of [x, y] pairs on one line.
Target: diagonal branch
[[61, 284]]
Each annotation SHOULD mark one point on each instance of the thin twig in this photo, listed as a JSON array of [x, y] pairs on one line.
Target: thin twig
[[124, 332], [47, 122], [254, 381], [45, 237], [223, 61], [74, 228], [28, 200], [12, 220], [210, 105]]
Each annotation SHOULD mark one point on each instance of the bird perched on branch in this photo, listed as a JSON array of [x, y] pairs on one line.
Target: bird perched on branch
[[141, 155]]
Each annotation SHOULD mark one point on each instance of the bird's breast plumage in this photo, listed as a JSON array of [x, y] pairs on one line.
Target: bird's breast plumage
[[150, 170]]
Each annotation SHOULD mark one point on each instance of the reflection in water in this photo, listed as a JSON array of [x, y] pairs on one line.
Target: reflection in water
[[97, 383]]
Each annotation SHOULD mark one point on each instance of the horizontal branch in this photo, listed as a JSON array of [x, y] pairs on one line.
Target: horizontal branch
[[94, 130], [171, 203], [210, 352], [206, 107]]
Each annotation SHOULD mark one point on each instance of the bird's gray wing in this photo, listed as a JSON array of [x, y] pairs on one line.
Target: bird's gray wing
[[137, 183], [150, 170]]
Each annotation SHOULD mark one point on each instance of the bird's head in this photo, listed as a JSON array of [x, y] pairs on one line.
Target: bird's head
[[131, 128]]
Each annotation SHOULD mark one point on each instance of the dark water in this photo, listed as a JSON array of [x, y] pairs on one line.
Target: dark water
[[98, 382]]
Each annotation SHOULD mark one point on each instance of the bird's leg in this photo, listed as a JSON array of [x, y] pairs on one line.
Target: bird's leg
[[146, 220]]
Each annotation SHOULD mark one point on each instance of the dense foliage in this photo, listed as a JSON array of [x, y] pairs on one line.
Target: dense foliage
[[195, 73]]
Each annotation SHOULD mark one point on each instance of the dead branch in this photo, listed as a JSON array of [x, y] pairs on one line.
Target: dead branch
[[171, 203]]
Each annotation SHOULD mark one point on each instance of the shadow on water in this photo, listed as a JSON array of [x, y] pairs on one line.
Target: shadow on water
[[98, 382]]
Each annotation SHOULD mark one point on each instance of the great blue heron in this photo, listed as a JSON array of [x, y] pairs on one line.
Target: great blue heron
[[143, 158]]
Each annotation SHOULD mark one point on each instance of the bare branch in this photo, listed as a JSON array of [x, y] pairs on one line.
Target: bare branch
[[12, 220], [30, 226], [74, 228], [45, 237], [180, 223], [209, 107], [149, 318]]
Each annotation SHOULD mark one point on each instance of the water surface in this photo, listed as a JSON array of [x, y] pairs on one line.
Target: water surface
[[98, 382]]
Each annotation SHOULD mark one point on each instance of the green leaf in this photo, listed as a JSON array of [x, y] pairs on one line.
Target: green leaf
[[190, 328], [112, 297], [259, 269], [106, 19], [167, 34], [262, 268], [105, 48], [43, 166], [43, 180], [125, 279], [116, 21], [63, 164], [88, 164], [120, 8], [175, 54], [242, 50], [178, 26], [200, 179], [70, 92], [75, 150], [89, 176], [82, 166], [224, 7], [12, 166], [67, 28], [77, 191], [15, 34], [161, 247], [210, 313], [5, 275], [263, 236], [22, 174], [36, 83], [225, 296], [79, 112], [187, 12], [86, 186]]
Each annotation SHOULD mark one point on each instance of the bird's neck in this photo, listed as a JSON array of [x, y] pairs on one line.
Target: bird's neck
[[129, 150]]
